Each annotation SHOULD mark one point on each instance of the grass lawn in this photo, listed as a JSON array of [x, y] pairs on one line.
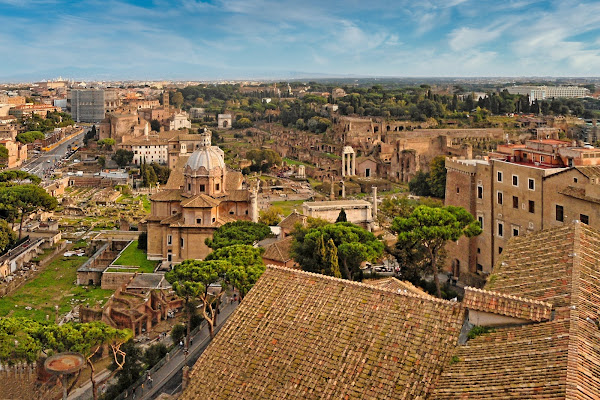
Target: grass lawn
[[132, 256], [55, 285], [289, 205]]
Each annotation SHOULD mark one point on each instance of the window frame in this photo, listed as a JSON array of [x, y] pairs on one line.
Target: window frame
[[531, 184], [513, 180]]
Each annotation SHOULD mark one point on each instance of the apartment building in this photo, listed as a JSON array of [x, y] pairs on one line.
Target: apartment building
[[517, 190], [548, 92]]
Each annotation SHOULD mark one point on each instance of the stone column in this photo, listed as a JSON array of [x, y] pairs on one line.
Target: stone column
[[353, 164], [254, 205], [331, 192], [343, 189], [374, 211], [349, 165], [343, 165]]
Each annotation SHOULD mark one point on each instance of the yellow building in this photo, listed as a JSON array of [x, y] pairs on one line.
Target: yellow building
[[198, 199]]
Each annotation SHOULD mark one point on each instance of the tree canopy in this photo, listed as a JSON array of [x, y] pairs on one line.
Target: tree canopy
[[431, 228], [123, 157], [30, 136], [23, 339], [271, 216], [263, 160], [191, 280], [246, 265], [353, 244], [432, 183], [25, 199], [238, 232]]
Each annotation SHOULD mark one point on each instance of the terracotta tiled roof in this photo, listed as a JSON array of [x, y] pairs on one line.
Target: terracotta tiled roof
[[397, 286], [233, 180], [279, 250], [591, 171], [176, 178], [237, 195], [200, 201], [559, 359], [505, 304], [167, 195], [291, 220], [299, 335], [527, 362], [578, 193]]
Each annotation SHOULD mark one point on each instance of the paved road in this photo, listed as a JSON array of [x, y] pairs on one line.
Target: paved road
[[39, 164], [168, 378]]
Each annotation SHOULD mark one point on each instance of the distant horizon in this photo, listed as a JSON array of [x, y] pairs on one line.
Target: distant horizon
[[280, 39], [316, 77]]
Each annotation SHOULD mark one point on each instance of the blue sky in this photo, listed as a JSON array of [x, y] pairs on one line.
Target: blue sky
[[213, 39]]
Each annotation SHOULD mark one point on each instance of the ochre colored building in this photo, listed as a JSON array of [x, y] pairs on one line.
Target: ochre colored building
[[206, 197]]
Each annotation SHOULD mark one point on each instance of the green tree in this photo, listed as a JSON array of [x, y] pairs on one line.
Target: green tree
[[177, 99], [191, 280], [25, 199], [242, 123], [354, 246], [270, 216], [7, 236], [331, 264], [101, 161], [30, 136], [419, 184], [143, 241], [263, 160], [437, 177], [246, 265], [178, 333], [3, 153], [238, 232], [107, 143], [13, 177], [154, 354], [155, 125], [123, 157], [432, 228], [342, 216], [23, 339]]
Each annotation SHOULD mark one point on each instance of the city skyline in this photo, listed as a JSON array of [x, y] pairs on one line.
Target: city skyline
[[235, 39]]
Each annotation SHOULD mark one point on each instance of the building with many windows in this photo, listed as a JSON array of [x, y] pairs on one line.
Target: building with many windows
[[520, 189], [548, 92]]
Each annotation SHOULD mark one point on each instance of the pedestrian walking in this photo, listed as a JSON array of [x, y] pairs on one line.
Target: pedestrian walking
[[191, 341]]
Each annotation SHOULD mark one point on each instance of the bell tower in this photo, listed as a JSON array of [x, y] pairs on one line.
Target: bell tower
[[165, 99]]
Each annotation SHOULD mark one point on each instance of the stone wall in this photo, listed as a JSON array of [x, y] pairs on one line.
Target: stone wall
[[114, 280]]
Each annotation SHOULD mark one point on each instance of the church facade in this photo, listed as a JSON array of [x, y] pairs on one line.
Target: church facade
[[196, 201]]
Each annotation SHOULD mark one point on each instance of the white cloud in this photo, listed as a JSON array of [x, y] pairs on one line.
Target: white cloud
[[465, 38]]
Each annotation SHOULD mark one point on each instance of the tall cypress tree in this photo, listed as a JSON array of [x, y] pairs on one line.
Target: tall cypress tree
[[331, 258], [342, 216]]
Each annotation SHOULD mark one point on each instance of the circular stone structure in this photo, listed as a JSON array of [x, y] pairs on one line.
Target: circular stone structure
[[64, 363]]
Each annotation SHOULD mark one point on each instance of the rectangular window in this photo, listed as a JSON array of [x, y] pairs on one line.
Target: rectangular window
[[501, 229], [515, 202], [531, 206], [480, 192], [181, 242], [515, 180], [531, 184], [584, 219], [480, 219], [457, 189], [560, 216], [499, 176], [198, 220], [515, 231], [574, 180], [217, 187], [169, 240], [500, 198], [542, 159], [500, 250], [202, 188]]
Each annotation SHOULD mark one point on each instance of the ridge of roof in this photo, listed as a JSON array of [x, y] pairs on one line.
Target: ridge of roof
[[506, 304], [361, 284]]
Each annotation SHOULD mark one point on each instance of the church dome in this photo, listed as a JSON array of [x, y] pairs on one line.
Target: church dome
[[206, 156]]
